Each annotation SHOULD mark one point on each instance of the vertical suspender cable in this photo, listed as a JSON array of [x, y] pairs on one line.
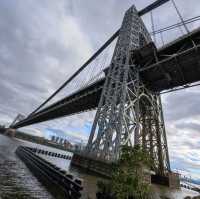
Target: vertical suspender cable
[[162, 39], [147, 9], [153, 27], [180, 16]]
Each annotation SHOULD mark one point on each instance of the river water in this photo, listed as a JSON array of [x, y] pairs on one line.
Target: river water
[[17, 182]]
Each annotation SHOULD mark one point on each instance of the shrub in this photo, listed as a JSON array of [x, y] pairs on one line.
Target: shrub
[[127, 179]]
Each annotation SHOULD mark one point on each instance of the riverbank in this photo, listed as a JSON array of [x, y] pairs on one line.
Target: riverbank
[[37, 140]]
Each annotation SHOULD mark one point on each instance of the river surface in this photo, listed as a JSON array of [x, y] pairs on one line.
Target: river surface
[[17, 182]]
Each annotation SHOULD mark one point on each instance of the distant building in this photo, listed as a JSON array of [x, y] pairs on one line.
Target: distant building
[[53, 138], [61, 141], [67, 144], [79, 146], [57, 139]]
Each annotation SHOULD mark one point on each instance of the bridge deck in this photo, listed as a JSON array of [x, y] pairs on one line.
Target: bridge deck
[[178, 64]]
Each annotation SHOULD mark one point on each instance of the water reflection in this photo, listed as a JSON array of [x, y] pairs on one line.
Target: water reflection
[[16, 181]]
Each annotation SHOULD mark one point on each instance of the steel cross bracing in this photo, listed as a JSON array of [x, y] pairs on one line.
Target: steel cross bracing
[[177, 65], [147, 9], [18, 118], [128, 113], [158, 75]]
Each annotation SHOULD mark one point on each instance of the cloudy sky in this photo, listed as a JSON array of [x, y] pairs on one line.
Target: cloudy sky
[[44, 42]]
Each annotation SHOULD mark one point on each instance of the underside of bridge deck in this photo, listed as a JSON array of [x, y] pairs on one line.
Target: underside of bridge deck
[[176, 64]]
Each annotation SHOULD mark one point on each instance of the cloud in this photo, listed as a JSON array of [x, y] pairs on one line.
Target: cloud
[[181, 112], [44, 42], [33, 131], [189, 126], [189, 97], [37, 52]]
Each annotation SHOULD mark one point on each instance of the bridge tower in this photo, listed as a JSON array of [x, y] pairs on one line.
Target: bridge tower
[[129, 113], [18, 118]]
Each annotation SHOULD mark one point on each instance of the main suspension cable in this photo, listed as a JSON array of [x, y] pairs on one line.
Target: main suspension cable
[[144, 11]]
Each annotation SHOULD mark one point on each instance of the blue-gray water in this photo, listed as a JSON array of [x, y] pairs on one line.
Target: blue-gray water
[[17, 182]]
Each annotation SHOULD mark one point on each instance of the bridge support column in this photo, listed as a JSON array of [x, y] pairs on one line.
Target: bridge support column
[[129, 113]]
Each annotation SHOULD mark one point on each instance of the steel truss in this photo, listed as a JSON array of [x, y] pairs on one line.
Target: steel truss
[[128, 113], [18, 118]]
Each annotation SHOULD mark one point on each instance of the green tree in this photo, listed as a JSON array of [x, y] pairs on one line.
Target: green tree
[[127, 180]]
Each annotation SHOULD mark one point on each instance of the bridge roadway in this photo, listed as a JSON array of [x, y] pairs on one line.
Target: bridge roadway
[[177, 64]]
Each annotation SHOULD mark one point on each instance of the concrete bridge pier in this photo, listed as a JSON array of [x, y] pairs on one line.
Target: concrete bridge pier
[[104, 169]]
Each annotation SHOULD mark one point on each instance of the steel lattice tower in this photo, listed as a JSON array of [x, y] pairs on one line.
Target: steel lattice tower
[[18, 118], [128, 113]]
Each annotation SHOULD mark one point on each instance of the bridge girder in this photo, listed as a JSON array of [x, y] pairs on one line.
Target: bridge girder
[[178, 65]]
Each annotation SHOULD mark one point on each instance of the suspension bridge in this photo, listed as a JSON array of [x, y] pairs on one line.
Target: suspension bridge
[[126, 91]]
